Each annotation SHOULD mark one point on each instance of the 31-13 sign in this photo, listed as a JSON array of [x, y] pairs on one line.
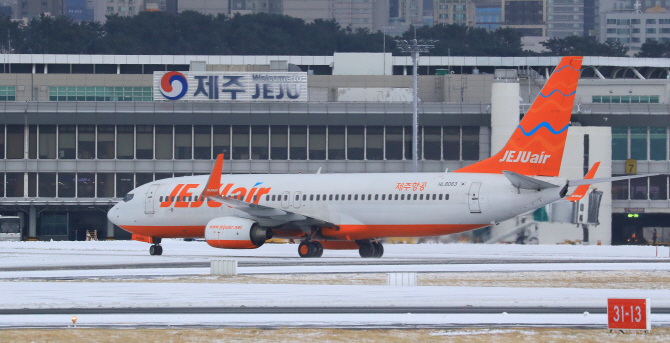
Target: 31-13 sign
[[628, 314]]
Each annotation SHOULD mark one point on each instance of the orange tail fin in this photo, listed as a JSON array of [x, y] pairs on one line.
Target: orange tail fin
[[536, 146], [214, 182]]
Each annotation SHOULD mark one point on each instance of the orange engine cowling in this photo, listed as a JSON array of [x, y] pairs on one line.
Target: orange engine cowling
[[235, 233]]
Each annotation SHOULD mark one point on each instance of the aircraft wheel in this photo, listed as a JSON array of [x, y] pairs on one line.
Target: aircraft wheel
[[307, 249], [366, 249], [379, 249], [153, 250], [160, 250], [319, 249]]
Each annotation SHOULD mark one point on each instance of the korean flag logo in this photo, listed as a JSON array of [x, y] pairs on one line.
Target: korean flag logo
[[174, 85]]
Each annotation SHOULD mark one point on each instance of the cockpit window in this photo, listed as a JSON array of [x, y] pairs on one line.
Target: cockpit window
[[128, 197]]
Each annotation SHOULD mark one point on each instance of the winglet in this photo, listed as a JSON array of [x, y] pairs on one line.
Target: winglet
[[214, 182], [580, 192]]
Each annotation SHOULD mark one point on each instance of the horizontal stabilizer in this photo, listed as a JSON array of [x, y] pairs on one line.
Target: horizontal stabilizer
[[606, 179], [526, 182]]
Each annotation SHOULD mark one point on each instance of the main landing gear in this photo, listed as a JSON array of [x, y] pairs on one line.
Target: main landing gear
[[370, 249], [310, 249], [156, 249]]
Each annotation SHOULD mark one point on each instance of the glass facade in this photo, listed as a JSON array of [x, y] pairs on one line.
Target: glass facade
[[609, 99], [204, 142], [96, 93], [7, 93], [644, 188], [259, 142], [640, 143]]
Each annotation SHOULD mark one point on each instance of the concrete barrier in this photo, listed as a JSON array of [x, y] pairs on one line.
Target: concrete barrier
[[401, 279], [223, 267]]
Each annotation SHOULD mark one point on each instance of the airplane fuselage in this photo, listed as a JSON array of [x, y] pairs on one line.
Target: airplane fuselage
[[361, 206]]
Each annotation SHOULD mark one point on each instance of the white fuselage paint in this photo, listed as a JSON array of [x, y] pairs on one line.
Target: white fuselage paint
[[497, 199]]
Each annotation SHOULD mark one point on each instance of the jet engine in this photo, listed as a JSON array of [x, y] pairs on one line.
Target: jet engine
[[235, 233]]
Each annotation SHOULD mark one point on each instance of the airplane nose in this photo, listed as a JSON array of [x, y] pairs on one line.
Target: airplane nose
[[114, 214]]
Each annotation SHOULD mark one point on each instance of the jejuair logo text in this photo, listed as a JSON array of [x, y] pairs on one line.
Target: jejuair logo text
[[524, 157]]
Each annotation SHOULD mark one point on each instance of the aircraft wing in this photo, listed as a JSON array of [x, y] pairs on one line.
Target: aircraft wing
[[212, 190], [526, 182], [606, 179]]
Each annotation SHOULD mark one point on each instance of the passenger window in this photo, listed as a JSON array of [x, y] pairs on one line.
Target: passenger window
[[285, 197], [342, 197], [355, 196], [311, 197], [446, 197], [330, 197], [255, 198], [349, 196], [369, 196], [383, 197], [396, 197], [433, 196], [420, 197], [337, 197], [160, 199], [318, 196], [273, 197], [362, 196], [267, 198], [304, 197], [414, 196], [297, 197], [324, 197], [440, 197], [402, 197]]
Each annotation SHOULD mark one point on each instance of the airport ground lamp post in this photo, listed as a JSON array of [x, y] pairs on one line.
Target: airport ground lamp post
[[415, 46]]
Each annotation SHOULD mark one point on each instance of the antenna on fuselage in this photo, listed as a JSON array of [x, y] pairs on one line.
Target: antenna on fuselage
[[319, 171]]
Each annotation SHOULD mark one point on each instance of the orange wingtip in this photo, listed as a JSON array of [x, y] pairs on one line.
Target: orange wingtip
[[580, 192], [214, 182]]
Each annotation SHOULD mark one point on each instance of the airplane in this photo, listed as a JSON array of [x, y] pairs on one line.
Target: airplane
[[356, 210]]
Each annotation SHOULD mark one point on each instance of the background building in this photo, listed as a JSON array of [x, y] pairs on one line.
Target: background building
[[529, 17], [565, 18], [634, 28]]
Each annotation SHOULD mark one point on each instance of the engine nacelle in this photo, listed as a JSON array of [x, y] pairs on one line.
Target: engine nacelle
[[235, 233]]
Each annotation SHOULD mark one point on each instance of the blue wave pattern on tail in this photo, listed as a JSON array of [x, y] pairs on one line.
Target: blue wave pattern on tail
[[541, 125], [567, 66], [556, 90]]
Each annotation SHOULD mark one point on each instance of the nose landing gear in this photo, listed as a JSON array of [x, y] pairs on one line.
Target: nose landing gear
[[156, 249]]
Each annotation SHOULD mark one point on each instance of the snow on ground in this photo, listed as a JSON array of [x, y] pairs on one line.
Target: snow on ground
[[143, 294], [15, 256], [43, 254], [350, 320], [330, 269]]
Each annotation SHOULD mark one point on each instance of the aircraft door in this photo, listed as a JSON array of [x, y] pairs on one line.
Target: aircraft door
[[473, 197], [296, 199], [150, 199], [285, 199]]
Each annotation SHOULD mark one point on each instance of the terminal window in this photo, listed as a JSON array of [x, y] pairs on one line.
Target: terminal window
[[7, 93], [98, 94], [640, 143], [606, 99]]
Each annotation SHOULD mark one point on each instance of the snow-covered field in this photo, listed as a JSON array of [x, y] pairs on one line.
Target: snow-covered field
[[26, 259]]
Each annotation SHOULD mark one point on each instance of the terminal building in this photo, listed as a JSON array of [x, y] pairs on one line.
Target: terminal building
[[78, 132]]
